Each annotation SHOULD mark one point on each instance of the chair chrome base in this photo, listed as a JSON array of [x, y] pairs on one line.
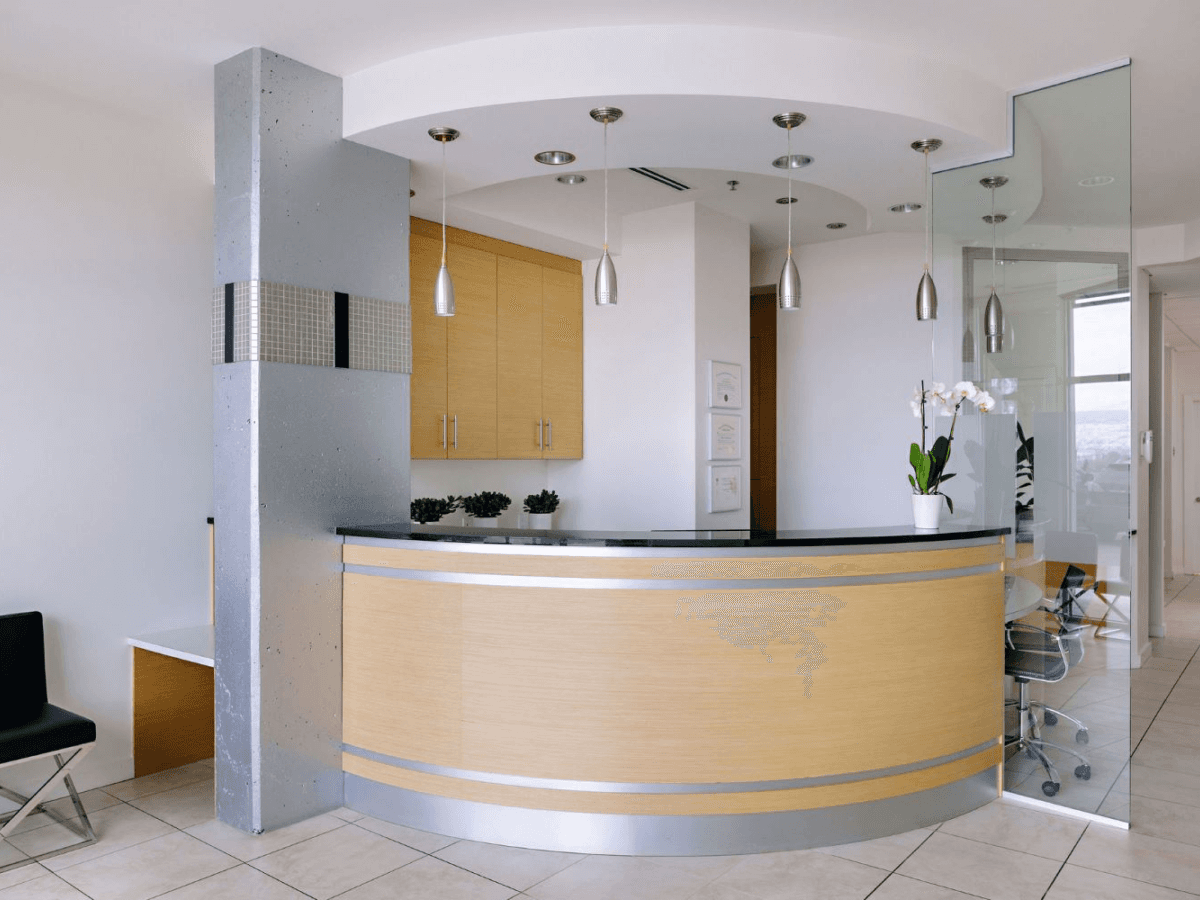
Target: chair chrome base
[[34, 803], [1029, 740]]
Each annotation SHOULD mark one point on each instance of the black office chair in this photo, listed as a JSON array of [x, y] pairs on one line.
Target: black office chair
[[1046, 654], [1070, 610], [31, 729]]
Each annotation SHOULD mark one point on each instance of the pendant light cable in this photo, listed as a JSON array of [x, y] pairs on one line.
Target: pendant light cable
[[993, 218], [789, 193], [928, 204], [443, 285], [443, 203], [606, 185]]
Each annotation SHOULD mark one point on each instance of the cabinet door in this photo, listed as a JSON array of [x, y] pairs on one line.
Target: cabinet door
[[471, 354], [427, 388], [562, 362], [519, 358]]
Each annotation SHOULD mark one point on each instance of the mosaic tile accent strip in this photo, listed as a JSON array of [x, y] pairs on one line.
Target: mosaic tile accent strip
[[275, 322], [380, 335]]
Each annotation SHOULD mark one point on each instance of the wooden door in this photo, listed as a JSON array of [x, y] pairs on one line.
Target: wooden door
[[762, 412], [427, 388], [518, 359], [562, 362], [471, 355]]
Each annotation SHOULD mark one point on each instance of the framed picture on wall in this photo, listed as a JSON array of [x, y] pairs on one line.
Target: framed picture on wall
[[724, 488], [724, 385], [724, 436]]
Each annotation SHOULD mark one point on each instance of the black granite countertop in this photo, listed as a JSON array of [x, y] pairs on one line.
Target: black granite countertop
[[403, 531]]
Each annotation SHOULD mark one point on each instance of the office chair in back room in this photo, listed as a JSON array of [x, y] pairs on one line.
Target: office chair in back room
[[33, 729]]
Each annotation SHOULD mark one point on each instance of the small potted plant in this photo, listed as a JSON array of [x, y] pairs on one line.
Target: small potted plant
[[541, 509], [431, 509], [485, 507], [929, 466]]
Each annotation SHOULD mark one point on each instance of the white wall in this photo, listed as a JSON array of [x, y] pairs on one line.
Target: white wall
[[848, 361], [1185, 380], [723, 334], [106, 465]]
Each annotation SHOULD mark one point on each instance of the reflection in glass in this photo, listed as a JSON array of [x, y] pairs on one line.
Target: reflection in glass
[[1055, 461]]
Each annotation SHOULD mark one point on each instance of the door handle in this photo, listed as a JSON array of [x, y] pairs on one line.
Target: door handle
[[549, 435], [443, 432], [456, 432], [540, 439]]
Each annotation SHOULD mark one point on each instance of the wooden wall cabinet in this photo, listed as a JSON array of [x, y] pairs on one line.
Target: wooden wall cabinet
[[507, 368]]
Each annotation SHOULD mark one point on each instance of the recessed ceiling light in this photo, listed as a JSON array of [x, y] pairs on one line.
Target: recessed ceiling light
[[785, 200], [834, 226], [554, 157], [1097, 181], [573, 178], [799, 161], [904, 207]]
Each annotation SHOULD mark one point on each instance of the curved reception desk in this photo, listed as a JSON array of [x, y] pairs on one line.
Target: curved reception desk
[[671, 693]]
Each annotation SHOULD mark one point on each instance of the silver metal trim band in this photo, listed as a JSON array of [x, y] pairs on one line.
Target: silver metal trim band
[[666, 584], [598, 549], [647, 835], [614, 787]]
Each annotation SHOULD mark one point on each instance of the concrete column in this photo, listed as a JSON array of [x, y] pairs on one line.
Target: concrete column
[[311, 352]]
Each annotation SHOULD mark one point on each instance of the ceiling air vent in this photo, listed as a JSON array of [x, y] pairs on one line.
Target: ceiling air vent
[[660, 178]]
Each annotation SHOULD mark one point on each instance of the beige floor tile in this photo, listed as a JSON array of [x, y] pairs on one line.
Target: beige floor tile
[[245, 846], [803, 875], [347, 815], [182, 807], [512, 866], [240, 883], [1018, 828], [1167, 756], [1137, 728], [20, 874], [981, 869], [882, 853], [116, 828], [1165, 664], [1173, 648], [93, 801], [1076, 883], [148, 869], [431, 879], [1115, 806], [9, 854], [624, 877], [1161, 784], [336, 861], [1166, 819], [1186, 694], [898, 887], [717, 891], [45, 887], [425, 841], [1176, 734], [160, 781], [1137, 856], [1151, 675]]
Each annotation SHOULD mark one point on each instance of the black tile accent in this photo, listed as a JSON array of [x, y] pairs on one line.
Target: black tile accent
[[341, 330], [229, 322]]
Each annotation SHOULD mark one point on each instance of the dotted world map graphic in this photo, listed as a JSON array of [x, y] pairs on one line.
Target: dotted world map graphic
[[763, 620]]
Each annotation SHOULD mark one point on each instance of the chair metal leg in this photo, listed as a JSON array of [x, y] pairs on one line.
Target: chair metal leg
[[35, 803], [1055, 714]]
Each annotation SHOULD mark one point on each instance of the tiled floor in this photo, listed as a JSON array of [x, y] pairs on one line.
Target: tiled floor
[[158, 838]]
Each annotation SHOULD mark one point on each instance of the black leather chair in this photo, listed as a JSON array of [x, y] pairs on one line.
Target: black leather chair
[[1042, 653], [33, 729]]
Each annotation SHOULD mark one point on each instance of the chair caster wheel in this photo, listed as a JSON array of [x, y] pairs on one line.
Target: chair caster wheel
[[1081, 736], [1049, 788], [1050, 718], [1084, 772]]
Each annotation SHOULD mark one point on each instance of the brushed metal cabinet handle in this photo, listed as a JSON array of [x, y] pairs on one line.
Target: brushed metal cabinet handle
[[549, 435], [443, 432], [539, 434], [456, 432]]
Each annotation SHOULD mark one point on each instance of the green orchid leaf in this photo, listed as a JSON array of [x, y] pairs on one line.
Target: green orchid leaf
[[949, 503], [913, 482], [945, 477]]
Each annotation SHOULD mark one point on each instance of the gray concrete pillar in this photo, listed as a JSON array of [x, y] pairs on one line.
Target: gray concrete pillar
[[311, 359]]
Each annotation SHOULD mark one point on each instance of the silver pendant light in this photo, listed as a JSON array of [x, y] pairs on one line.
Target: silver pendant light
[[443, 288], [993, 313], [788, 289], [926, 291], [606, 272]]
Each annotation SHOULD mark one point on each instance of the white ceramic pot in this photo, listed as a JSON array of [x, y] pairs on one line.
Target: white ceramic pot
[[485, 523], [927, 510], [541, 520]]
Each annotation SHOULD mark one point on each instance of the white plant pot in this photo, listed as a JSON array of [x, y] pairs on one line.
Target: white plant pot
[[541, 520], [485, 523], [927, 510]]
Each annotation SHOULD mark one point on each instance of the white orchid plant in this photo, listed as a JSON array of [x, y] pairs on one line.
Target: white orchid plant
[[929, 466]]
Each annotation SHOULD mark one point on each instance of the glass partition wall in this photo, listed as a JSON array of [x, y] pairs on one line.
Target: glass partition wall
[[1054, 460]]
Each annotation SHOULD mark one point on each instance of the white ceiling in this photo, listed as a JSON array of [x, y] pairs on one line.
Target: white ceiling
[[158, 58]]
